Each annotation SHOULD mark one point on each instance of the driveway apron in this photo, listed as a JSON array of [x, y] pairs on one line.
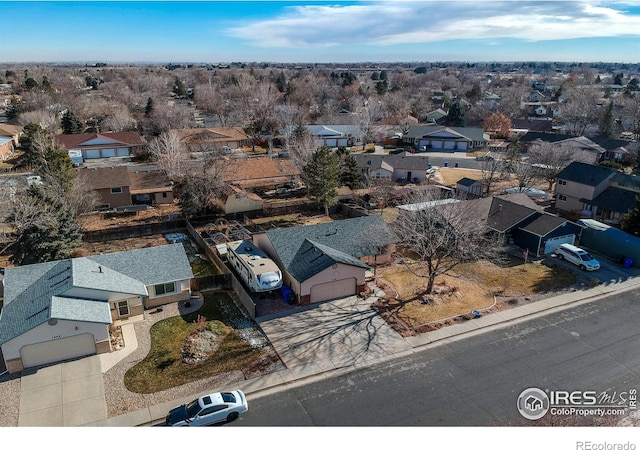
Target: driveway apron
[[63, 395], [338, 333]]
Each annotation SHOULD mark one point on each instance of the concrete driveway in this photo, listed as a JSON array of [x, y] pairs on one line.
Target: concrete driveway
[[609, 272], [63, 395], [333, 334]]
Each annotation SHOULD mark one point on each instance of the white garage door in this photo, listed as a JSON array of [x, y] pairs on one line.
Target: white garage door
[[555, 242], [449, 145], [108, 152], [123, 151], [58, 350], [333, 289], [92, 154]]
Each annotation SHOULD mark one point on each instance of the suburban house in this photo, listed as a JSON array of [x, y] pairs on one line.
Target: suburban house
[[435, 138], [6, 147], [328, 260], [103, 145], [119, 186], [437, 116], [334, 135], [9, 139], [149, 187], [260, 174], [400, 167], [513, 219], [520, 221], [62, 310], [596, 192], [207, 139], [594, 149]]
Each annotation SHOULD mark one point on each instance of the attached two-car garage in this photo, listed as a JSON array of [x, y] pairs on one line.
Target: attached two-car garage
[[42, 353]]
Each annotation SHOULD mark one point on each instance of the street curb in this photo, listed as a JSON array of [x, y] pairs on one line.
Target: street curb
[[313, 371]]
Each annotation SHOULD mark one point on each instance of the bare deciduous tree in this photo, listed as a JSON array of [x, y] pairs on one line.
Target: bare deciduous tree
[[171, 153], [119, 119], [47, 120], [549, 159], [491, 171], [580, 110], [442, 236]]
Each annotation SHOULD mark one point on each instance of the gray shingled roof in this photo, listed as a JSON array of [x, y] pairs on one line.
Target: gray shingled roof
[[504, 215], [151, 265], [471, 133], [584, 173], [80, 309], [544, 224], [307, 250], [400, 161], [313, 257], [32, 306], [33, 292], [467, 181], [614, 199]]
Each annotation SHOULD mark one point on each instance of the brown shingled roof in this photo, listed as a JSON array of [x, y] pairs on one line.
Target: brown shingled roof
[[128, 138], [105, 177], [148, 182], [255, 172]]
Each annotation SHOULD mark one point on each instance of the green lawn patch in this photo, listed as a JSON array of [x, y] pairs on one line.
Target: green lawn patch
[[163, 367]]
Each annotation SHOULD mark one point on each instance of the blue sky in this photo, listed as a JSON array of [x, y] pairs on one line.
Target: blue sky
[[321, 31]]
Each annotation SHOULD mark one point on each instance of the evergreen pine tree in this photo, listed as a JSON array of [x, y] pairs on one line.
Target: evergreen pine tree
[[179, 89], [631, 220], [608, 123], [456, 118], [54, 235], [149, 108], [321, 176], [190, 202], [71, 124], [349, 173]]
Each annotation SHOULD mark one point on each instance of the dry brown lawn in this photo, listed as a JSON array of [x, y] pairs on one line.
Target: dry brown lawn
[[470, 287], [101, 221], [449, 176]]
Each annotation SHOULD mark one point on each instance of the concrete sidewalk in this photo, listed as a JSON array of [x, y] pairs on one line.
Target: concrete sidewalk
[[346, 351]]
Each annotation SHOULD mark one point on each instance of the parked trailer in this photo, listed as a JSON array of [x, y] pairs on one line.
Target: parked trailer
[[258, 272]]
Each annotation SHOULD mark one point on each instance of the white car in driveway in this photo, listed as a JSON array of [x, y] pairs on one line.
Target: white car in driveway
[[577, 256], [208, 409]]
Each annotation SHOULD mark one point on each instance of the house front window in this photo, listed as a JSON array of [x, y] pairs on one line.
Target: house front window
[[562, 182], [116, 190], [123, 308], [165, 288], [562, 198]]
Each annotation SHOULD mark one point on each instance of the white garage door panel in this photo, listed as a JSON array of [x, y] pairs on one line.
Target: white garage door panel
[[123, 151], [93, 154], [554, 243], [108, 152], [333, 289], [57, 350]]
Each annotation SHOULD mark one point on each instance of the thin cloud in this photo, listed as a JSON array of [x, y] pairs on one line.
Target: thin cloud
[[400, 22]]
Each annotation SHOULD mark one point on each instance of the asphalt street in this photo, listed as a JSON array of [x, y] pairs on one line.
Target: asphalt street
[[474, 381]]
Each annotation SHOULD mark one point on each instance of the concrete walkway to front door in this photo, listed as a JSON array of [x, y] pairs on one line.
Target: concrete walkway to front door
[[63, 395]]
